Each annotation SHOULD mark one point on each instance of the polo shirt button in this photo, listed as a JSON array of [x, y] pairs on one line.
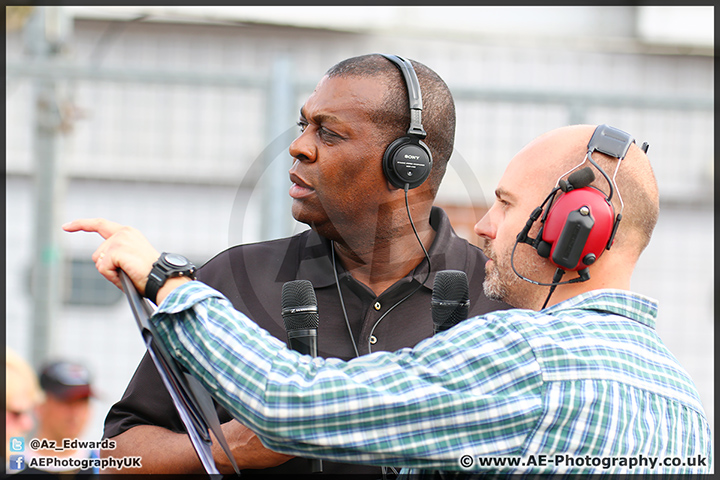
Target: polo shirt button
[[377, 306], [373, 339]]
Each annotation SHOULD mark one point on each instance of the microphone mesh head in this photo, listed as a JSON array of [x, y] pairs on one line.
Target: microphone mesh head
[[450, 298], [299, 305]]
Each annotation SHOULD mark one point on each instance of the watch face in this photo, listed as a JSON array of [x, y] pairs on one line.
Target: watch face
[[176, 260]]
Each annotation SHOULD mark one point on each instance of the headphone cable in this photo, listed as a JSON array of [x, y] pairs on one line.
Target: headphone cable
[[583, 274], [427, 275], [340, 295], [342, 301], [412, 224], [556, 279]]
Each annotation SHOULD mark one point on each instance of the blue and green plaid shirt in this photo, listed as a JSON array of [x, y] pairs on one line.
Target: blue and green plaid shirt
[[584, 386]]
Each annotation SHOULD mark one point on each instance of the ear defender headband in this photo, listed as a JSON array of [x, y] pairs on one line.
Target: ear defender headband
[[407, 161], [580, 223]]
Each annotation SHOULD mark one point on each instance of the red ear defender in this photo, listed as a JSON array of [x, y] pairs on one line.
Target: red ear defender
[[580, 224], [578, 228]]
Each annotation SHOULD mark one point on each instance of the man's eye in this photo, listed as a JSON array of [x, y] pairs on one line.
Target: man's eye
[[325, 133], [302, 125]]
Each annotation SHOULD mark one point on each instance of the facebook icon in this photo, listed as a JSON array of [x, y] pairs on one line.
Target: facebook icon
[[17, 462]]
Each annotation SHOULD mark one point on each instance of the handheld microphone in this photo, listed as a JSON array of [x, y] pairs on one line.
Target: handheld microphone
[[300, 314], [450, 299]]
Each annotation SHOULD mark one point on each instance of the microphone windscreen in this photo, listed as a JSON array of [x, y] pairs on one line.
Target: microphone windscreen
[[581, 178], [450, 299], [299, 305]]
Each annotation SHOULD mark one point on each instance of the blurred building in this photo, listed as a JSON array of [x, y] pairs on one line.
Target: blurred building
[[176, 120]]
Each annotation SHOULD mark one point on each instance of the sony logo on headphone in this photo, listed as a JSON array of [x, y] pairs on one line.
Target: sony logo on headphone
[[412, 157]]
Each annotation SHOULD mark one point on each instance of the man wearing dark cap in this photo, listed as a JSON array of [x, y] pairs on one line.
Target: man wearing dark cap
[[64, 414]]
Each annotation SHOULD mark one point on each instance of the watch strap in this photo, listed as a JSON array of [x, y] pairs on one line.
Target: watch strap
[[155, 280], [161, 271]]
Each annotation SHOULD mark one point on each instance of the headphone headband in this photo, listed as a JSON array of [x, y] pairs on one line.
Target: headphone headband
[[610, 141], [414, 96]]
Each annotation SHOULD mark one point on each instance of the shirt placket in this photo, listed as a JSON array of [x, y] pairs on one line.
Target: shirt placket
[[371, 338]]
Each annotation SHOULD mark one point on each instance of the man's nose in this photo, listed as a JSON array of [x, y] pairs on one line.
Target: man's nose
[[485, 228], [303, 149]]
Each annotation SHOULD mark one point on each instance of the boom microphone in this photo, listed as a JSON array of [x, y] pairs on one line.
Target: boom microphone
[[450, 299], [581, 178], [300, 314]]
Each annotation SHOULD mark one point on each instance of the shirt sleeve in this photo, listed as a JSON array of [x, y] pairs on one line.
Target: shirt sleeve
[[474, 389]]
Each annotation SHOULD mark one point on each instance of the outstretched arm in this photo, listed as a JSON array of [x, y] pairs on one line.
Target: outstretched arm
[[162, 450]]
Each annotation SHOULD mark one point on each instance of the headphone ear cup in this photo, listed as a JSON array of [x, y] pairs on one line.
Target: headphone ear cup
[[578, 228], [407, 161]]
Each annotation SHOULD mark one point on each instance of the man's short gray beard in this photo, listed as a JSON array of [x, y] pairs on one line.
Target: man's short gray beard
[[511, 290], [494, 290]]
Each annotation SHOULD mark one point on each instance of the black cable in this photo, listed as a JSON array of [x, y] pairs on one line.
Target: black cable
[[555, 282], [583, 274], [427, 275], [412, 224], [342, 301], [607, 178]]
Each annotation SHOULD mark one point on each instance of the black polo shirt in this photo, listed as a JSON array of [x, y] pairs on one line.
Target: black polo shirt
[[252, 276]]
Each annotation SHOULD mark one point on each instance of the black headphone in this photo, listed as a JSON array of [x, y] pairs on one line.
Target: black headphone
[[580, 224], [407, 161]]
